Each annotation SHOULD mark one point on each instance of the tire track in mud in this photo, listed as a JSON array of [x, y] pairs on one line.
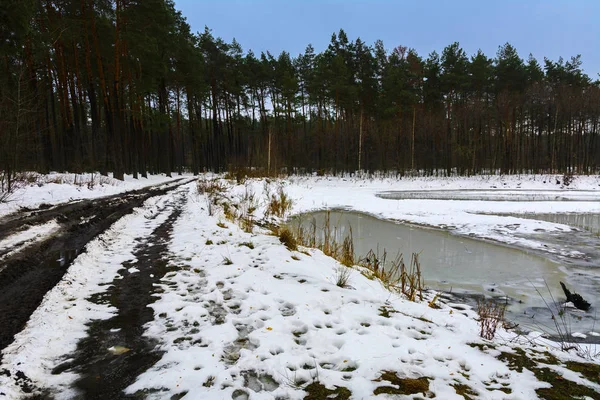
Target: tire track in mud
[[105, 374], [18, 221], [27, 276]]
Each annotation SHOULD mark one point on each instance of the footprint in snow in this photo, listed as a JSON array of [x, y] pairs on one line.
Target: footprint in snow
[[287, 309]]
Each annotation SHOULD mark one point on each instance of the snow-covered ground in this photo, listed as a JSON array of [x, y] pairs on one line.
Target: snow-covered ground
[[62, 187], [462, 217], [242, 317], [60, 322], [20, 240]]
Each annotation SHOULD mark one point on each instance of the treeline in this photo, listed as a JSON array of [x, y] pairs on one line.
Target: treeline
[[125, 86]]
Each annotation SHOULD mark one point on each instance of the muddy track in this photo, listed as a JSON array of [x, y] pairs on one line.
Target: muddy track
[[104, 374], [27, 276], [18, 221]]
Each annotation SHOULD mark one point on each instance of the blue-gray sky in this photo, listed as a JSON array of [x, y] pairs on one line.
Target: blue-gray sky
[[545, 28]]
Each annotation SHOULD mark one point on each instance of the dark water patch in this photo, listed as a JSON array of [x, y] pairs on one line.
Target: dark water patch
[[115, 351]]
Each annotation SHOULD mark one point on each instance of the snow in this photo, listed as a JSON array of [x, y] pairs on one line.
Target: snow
[[462, 217], [284, 318], [257, 327], [54, 329], [56, 188], [28, 236]]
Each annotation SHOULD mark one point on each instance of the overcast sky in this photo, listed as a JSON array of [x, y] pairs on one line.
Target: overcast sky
[[545, 28]]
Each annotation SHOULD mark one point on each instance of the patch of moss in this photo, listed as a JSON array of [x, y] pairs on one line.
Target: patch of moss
[[545, 357], [464, 391], [318, 391], [178, 396], [518, 360], [503, 389], [562, 389], [481, 346], [590, 372], [406, 386], [385, 311]]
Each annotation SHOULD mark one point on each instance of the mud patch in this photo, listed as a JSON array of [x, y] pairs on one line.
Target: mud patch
[[105, 372], [28, 275]]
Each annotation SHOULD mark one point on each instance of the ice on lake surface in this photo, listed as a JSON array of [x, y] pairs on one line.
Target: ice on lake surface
[[587, 221], [493, 195], [458, 264]]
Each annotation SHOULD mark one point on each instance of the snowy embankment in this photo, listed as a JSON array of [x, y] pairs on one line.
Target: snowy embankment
[[244, 317], [56, 188], [462, 217]]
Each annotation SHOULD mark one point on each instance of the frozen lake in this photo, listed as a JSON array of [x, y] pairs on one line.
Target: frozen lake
[[587, 221], [493, 195], [463, 266]]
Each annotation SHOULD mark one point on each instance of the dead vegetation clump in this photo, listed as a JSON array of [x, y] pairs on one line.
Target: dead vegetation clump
[[401, 386], [347, 251], [395, 276], [241, 174], [11, 182], [247, 206], [491, 315], [342, 276], [210, 187], [286, 236], [279, 204]]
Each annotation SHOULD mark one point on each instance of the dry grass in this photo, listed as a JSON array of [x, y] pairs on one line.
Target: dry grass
[[279, 204], [247, 206], [491, 314], [347, 251], [210, 187], [286, 236], [395, 276], [411, 279], [375, 266], [342, 276]]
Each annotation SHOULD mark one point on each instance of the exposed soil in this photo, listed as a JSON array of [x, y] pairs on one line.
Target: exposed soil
[[104, 373], [17, 221], [25, 277]]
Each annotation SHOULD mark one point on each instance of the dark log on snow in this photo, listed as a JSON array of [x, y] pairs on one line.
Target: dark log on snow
[[575, 298]]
